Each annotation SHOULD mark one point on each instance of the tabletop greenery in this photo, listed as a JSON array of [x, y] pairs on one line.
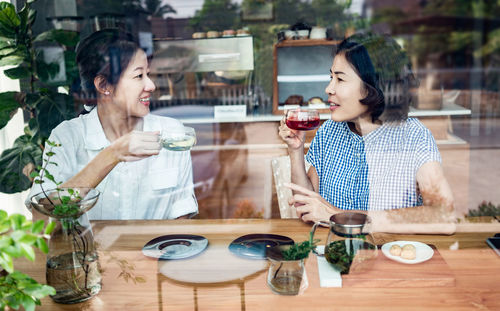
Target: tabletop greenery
[[18, 237], [485, 209], [63, 205], [301, 250], [39, 98], [341, 253]]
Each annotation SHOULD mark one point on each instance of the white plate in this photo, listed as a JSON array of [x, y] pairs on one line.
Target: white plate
[[424, 252]]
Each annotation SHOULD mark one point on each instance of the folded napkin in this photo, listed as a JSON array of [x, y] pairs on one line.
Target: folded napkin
[[328, 275]]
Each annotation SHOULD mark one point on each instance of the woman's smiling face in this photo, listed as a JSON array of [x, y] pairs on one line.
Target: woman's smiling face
[[132, 94], [344, 92]]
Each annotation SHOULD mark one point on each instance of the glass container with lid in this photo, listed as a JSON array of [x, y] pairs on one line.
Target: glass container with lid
[[349, 247]]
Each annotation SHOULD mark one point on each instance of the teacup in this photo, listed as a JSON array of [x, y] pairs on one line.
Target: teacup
[[178, 139]]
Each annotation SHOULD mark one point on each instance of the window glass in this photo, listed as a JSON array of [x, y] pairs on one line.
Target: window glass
[[231, 68]]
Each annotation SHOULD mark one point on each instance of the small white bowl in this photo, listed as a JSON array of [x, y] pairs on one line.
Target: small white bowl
[[303, 34]]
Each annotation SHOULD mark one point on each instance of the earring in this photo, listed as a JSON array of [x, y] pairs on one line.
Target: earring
[[106, 93]]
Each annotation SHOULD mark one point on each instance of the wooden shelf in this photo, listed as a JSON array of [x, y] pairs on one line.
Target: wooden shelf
[[311, 74], [306, 42]]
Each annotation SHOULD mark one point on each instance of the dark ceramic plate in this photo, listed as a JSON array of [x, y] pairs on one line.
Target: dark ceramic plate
[[254, 246], [175, 246]]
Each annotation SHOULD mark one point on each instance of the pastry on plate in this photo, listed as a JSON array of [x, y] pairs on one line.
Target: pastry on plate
[[199, 35], [228, 33], [395, 250], [294, 100], [213, 34], [316, 102], [409, 252]]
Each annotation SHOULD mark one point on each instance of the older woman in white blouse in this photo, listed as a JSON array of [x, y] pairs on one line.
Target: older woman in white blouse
[[116, 146]]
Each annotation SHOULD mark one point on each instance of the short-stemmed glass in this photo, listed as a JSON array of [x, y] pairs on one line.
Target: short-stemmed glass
[[302, 119]]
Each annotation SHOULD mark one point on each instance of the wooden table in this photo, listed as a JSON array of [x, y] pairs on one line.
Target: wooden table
[[132, 281]]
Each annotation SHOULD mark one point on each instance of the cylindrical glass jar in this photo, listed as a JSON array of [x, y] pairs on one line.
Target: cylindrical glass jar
[[285, 277]]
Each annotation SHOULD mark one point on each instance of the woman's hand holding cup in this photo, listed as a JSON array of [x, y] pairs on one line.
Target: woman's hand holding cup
[[136, 145], [293, 138]]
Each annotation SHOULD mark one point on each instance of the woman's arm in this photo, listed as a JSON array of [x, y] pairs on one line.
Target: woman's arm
[[295, 142], [130, 147], [437, 216], [95, 171]]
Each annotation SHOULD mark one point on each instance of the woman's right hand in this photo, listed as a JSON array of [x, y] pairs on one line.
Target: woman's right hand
[[136, 145], [293, 138], [309, 205]]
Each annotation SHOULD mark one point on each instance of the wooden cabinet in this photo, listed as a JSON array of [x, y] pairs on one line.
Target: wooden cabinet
[[301, 67]]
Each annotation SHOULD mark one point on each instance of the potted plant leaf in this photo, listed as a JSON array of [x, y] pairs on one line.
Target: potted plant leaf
[[287, 274], [18, 238], [44, 101]]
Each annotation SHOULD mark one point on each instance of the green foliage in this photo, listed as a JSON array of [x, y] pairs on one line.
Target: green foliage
[[8, 107], [126, 7], [18, 237], [485, 209], [462, 45], [300, 250], [40, 99], [60, 36], [157, 7], [341, 253], [15, 163], [64, 202], [337, 254], [216, 15]]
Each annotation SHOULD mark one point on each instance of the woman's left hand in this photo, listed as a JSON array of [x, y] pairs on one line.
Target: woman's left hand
[[310, 205]]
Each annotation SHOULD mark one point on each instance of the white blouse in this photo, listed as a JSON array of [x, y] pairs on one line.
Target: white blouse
[[157, 187]]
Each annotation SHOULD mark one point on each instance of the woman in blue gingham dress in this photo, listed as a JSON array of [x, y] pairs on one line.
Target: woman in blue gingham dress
[[370, 156]]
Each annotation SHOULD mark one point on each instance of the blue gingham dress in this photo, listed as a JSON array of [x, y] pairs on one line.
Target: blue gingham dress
[[372, 172]]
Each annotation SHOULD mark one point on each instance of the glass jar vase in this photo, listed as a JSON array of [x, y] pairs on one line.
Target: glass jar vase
[[285, 277], [72, 261]]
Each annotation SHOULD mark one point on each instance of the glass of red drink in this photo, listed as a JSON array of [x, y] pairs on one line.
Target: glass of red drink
[[302, 119]]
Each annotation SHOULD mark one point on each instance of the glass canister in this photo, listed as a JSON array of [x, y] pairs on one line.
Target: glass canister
[[348, 246], [72, 262], [285, 277]]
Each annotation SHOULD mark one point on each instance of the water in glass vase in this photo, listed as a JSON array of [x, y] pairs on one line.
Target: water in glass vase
[[286, 284], [74, 282]]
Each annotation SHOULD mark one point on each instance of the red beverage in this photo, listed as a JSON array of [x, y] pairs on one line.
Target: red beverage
[[303, 125]]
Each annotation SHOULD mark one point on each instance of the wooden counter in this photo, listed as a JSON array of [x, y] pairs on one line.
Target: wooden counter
[[132, 281]]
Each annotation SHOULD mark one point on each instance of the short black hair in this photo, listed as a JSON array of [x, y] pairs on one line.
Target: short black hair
[[386, 73], [104, 53]]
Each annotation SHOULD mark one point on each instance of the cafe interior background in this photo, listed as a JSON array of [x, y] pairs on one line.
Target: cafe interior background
[[229, 69]]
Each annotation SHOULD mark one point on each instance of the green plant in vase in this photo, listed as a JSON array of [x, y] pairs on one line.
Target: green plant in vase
[[287, 275], [301, 250], [72, 262], [18, 237]]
